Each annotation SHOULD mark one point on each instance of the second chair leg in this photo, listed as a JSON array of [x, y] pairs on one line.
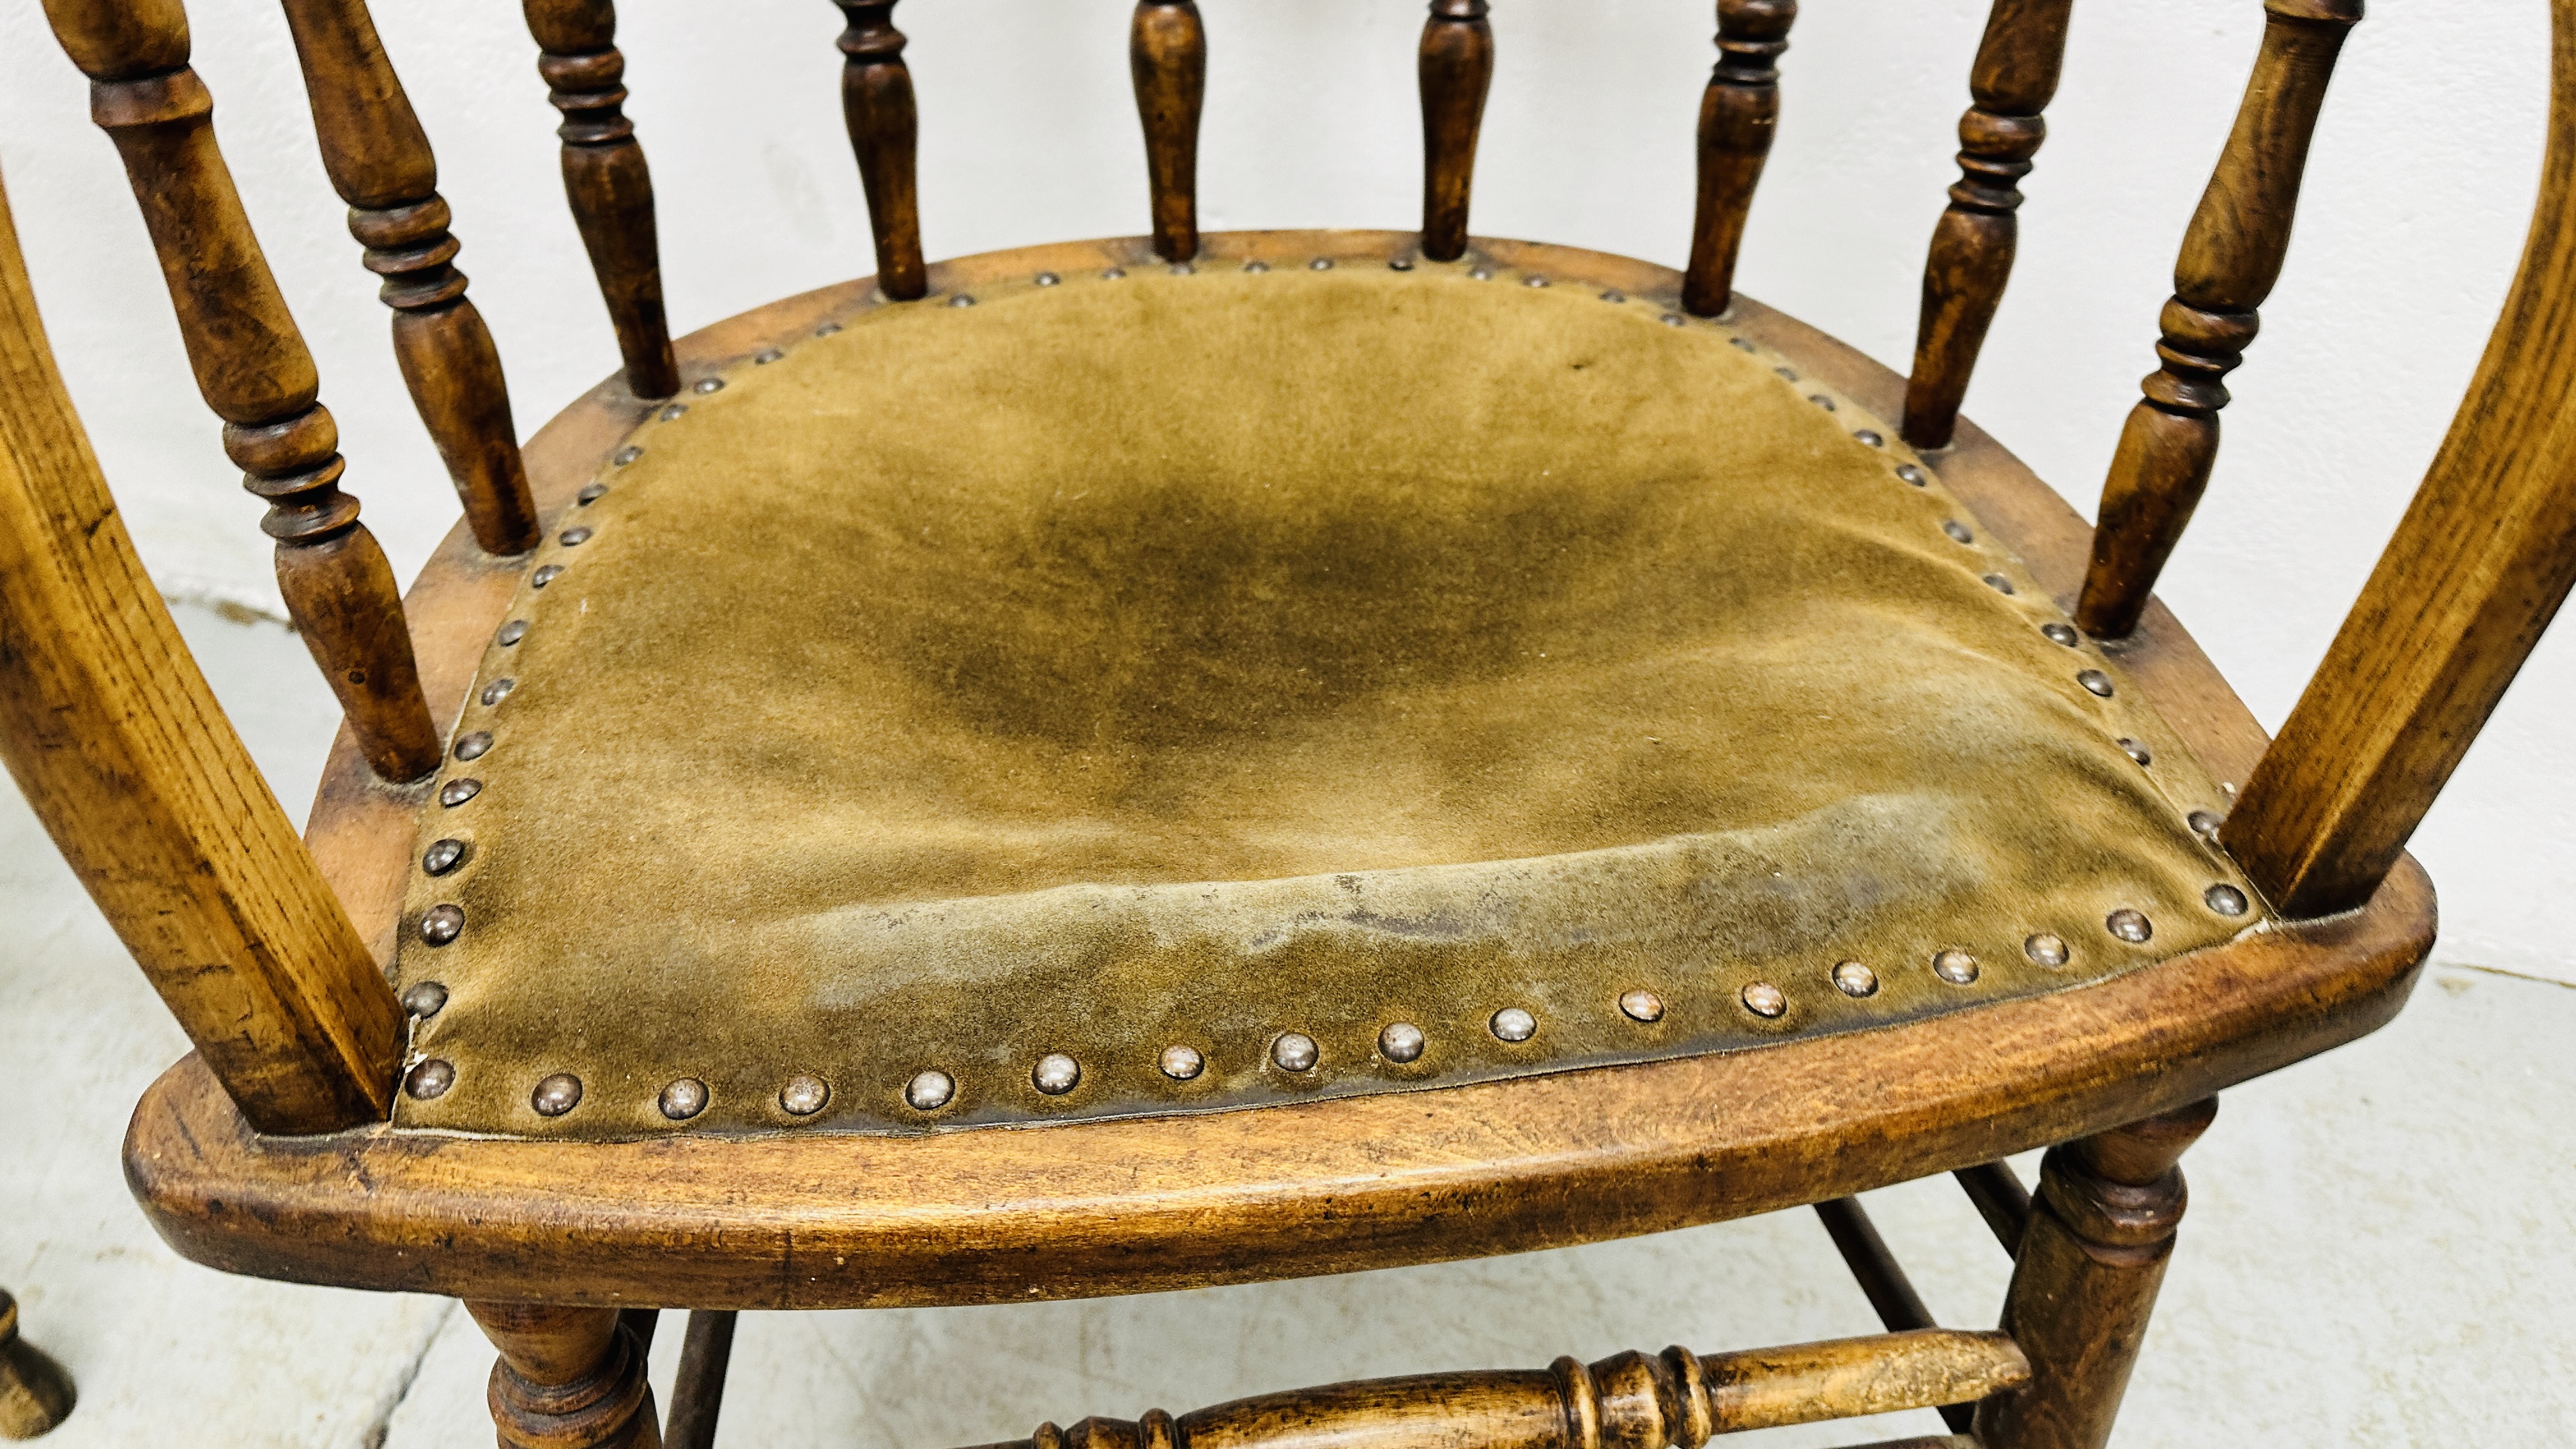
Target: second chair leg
[[2091, 1259], [569, 1378]]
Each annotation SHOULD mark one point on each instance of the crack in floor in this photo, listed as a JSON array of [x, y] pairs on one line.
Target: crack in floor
[[2509, 975], [374, 1438]]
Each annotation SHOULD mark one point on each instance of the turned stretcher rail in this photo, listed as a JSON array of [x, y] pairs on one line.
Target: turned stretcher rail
[[1627, 1401]]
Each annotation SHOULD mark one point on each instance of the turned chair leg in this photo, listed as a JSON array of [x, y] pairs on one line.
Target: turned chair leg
[[35, 1393], [569, 1378], [2085, 1280]]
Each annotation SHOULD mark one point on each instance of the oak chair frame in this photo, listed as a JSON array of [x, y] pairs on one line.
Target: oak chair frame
[[267, 947]]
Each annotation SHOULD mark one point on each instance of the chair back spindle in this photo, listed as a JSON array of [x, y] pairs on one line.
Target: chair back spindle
[[2477, 568], [1973, 243], [606, 181], [877, 104], [1167, 55], [1737, 116], [2231, 256], [252, 368], [1457, 69], [379, 161], [110, 731]]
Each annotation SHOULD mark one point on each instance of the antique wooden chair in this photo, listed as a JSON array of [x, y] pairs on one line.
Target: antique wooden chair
[[1132, 764]]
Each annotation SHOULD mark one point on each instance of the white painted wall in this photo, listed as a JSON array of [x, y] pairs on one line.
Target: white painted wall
[[2418, 195]]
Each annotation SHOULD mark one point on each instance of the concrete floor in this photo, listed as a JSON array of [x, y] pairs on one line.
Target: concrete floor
[[2379, 1249]]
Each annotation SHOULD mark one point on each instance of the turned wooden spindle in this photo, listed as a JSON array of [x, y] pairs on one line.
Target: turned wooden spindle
[[2092, 1256], [253, 369], [379, 161], [110, 732], [876, 103], [35, 1393], [1972, 245], [567, 1378], [1737, 116], [606, 180], [2231, 256], [1167, 56], [1626, 1401], [1457, 69]]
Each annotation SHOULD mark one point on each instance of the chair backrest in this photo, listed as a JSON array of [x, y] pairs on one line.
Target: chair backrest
[[2477, 568]]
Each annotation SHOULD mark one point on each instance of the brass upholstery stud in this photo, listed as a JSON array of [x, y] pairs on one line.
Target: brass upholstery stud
[[827, 329], [928, 1091], [1181, 1063], [1177, 269], [684, 1099], [556, 1095], [1911, 474], [1056, 1074], [1479, 274], [430, 1079], [590, 493], [457, 792], [626, 455], [1822, 401], [1533, 281], [1513, 1024], [574, 537], [1256, 265], [1871, 438], [1399, 264], [2002, 585], [474, 745], [2130, 926], [442, 856], [766, 356], [424, 999], [545, 576], [1113, 274], [676, 411], [1294, 1052], [2062, 634], [2096, 681], [1853, 978], [708, 384], [1320, 264], [2136, 751], [1786, 374], [2203, 823], [1614, 296], [1641, 1005], [803, 1096], [499, 689], [1958, 531], [961, 300], [2046, 949], [442, 924], [1765, 1000], [1400, 1042], [1956, 967], [1048, 279], [1672, 319], [511, 633], [1741, 344], [2225, 899]]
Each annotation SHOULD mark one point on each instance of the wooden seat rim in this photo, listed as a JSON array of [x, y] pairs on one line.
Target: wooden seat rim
[[1120, 1207]]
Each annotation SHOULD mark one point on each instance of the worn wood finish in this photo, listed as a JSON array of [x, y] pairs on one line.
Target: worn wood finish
[[606, 181], [1167, 56], [2231, 256], [35, 1393], [379, 160], [1973, 243], [567, 1378], [1456, 65], [1323, 1187], [698, 1393], [1882, 1281], [1737, 116], [2086, 1279], [119, 747], [2000, 1199], [2478, 567], [1627, 1401], [876, 103], [252, 368]]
